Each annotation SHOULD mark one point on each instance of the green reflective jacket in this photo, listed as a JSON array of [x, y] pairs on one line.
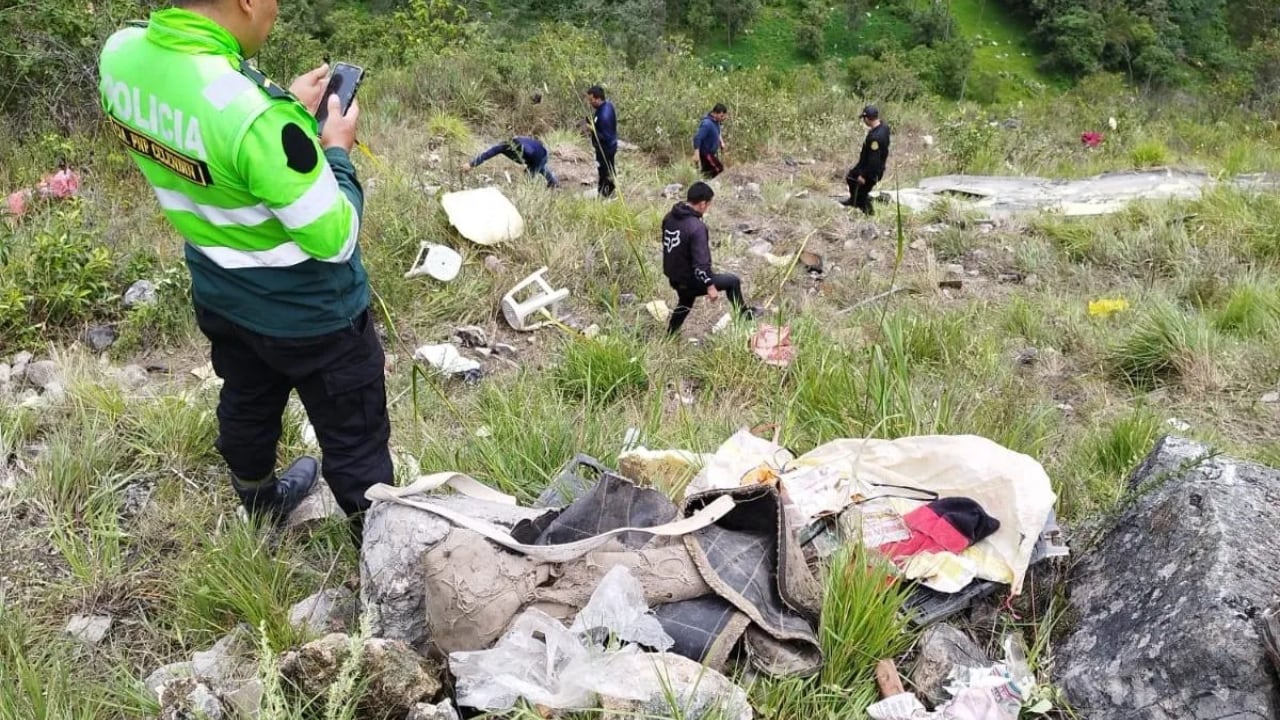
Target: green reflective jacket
[[271, 222]]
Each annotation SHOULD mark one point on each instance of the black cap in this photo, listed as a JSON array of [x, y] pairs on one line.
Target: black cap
[[870, 111]]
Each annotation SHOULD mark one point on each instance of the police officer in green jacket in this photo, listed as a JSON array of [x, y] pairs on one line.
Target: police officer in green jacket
[[270, 215]]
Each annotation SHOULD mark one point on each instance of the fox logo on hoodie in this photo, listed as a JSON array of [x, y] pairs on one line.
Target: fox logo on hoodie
[[670, 240]]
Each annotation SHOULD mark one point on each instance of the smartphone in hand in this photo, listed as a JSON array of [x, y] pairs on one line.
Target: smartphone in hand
[[343, 82]]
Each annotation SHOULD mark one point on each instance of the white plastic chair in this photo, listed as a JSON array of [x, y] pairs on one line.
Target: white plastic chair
[[438, 261], [518, 312]]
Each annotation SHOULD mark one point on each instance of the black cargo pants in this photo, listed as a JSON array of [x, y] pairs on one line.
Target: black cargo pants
[[339, 377]]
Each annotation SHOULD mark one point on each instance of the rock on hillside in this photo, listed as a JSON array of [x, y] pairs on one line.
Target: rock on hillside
[[1170, 601]]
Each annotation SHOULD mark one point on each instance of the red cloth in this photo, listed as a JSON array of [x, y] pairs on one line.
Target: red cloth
[[930, 532], [1092, 139]]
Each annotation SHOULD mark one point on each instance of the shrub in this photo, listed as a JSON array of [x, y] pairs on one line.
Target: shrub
[[60, 278], [603, 370], [1252, 309], [1167, 344], [1149, 153]]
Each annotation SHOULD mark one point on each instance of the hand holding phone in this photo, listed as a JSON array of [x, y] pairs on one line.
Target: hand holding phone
[[340, 131], [343, 84]]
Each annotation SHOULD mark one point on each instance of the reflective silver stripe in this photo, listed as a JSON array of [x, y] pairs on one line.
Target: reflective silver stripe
[[353, 235], [225, 88], [222, 217], [319, 199], [284, 255]]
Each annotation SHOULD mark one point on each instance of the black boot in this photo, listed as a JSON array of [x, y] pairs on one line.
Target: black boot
[[281, 495]]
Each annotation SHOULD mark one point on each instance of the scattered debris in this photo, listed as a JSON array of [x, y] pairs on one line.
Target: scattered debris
[[484, 216], [471, 336], [627, 299], [100, 337], [927, 140], [722, 323], [397, 678], [503, 350], [1028, 357], [142, 292], [493, 264], [1106, 307], [772, 344], [89, 629], [1270, 398], [1092, 139], [446, 359], [672, 191], [951, 284], [444, 710], [812, 262], [954, 270], [318, 507], [752, 191], [919, 244], [1178, 425], [437, 261], [942, 650], [137, 497], [328, 611], [543, 299], [658, 310]]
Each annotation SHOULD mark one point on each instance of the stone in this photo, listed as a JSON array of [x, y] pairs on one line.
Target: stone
[[245, 701], [133, 377], [190, 699], [100, 337], [6, 375], [1031, 280], [1270, 398], [426, 711], [1011, 124], [471, 336], [953, 270], [137, 498], [942, 649], [1168, 601], [142, 292], [591, 331], [762, 248], [627, 299], [162, 675], [1178, 425], [316, 508], [332, 610], [752, 191], [89, 629], [672, 191], [395, 677], [493, 264], [54, 392], [20, 361], [919, 244], [685, 689], [1028, 356], [231, 659], [43, 372], [507, 351]]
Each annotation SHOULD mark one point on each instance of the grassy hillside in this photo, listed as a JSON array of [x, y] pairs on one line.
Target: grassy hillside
[[112, 500]]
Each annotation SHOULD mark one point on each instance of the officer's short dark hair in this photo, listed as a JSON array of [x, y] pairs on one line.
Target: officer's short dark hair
[[596, 91], [700, 192], [719, 108]]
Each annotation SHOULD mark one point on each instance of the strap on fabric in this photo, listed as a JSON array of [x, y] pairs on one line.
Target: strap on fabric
[[414, 496], [928, 495]]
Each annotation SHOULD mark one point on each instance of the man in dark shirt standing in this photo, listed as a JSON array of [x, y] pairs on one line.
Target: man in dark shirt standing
[[527, 151], [604, 138], [708, 143], [686, 259], [871, 163]]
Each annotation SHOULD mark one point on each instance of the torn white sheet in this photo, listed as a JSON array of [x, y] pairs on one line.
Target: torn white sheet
[[484, 216]]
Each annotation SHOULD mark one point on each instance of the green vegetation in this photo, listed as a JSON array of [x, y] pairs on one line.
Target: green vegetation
[[1201, 277]]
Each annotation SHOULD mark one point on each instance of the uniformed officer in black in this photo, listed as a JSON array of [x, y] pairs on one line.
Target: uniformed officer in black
[[871, 163]]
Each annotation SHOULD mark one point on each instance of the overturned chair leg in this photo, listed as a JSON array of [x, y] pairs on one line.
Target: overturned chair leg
[[542, 297]]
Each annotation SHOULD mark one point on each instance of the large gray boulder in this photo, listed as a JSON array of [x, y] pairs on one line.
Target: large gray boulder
[[1169, 602]]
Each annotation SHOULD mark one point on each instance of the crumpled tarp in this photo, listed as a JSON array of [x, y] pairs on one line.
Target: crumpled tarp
[[484, 216]]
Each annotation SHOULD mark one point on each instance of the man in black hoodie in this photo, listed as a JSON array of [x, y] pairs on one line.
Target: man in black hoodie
[[686, 258]]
